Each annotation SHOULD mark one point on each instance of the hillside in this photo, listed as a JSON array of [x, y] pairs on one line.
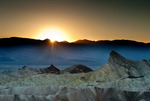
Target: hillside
[[118, 77]]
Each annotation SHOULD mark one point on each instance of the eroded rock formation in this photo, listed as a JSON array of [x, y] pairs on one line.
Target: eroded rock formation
[[78, 69], [120, 79]]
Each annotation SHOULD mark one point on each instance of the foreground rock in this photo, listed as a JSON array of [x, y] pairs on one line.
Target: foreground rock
[[125, 74], [120, 79], [28, 71], [56, 93], [119, 73], [78, 69]]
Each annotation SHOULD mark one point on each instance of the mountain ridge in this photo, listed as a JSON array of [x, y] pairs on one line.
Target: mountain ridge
[[120, 79], [15, 41]]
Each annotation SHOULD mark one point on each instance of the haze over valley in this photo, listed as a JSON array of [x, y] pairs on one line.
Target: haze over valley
[[18, 52]]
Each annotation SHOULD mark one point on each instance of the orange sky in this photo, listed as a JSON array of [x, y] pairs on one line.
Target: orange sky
[[82, 19]]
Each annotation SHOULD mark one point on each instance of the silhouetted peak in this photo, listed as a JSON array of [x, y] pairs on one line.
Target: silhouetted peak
[[114, 54], [51, 69], [15, 41], [24, 67], [51, 66], [18, 41], [84, 41], [64, 41], [78, 69], [116, 57], [47, 40], [15, 37]]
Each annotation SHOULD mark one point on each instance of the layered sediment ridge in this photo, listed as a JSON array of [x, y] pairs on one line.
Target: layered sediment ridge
[[55, 93], [120, 79]]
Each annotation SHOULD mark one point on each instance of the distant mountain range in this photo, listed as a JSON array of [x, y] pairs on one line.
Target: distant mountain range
[[15, 41], [25, 51]]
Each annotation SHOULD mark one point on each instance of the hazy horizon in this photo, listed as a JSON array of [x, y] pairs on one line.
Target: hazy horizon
[[15, 53], [74, 40]]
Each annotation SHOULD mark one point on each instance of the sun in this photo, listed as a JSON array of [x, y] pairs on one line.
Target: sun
[[54, 34]]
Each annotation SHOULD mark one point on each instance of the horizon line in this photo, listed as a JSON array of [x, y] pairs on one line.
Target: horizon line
[[77, 40]]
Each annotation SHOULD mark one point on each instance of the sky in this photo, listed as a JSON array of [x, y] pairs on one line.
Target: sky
[[76, 19]]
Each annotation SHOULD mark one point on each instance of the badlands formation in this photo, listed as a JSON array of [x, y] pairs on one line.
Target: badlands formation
[[119, 79]]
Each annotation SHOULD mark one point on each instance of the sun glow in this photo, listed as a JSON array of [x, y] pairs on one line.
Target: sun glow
[[53, 34]]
